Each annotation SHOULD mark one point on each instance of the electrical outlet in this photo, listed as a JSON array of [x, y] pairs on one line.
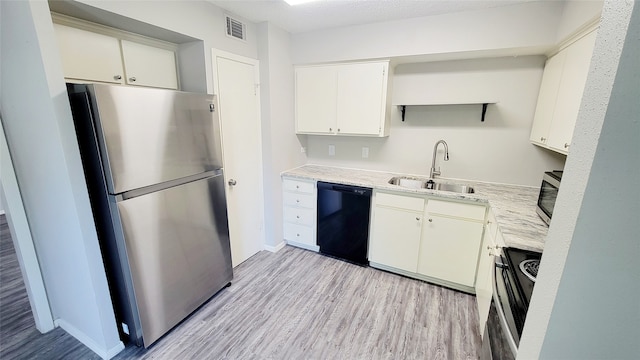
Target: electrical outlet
[[332, 150], [365, 152]]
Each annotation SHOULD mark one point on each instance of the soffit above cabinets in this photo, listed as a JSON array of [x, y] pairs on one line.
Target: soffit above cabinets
[[459, 82]]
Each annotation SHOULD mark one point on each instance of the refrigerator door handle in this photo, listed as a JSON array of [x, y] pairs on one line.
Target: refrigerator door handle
[[165, 185]]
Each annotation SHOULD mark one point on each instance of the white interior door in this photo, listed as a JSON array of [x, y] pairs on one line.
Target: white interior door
[[236, 82]]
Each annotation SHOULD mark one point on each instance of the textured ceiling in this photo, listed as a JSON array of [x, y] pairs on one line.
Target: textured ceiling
[[325, 14]]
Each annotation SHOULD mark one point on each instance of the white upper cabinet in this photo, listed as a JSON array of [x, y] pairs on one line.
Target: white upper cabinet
[[547, 99], [563, 82], [574, 78], [316, 93], [149, 66], [343, 99], [93, 57], [361, 101], [89, 56]]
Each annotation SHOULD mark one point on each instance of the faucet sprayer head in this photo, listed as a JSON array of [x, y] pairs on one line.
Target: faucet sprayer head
[[446, 156]]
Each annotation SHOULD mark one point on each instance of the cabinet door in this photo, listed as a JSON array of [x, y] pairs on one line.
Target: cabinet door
[[574, 78], [316, 99], [89, 56], [395, 238], [484, 286], [361, 98], [449, 249], [149, 66], [547, 99]]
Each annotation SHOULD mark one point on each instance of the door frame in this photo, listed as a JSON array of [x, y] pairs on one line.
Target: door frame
[[23, 241], [215, 55]]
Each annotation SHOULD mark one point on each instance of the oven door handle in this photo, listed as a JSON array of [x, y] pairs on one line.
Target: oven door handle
[[500, 310]]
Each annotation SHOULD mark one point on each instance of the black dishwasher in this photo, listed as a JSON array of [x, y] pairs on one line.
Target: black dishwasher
[[343, 221]]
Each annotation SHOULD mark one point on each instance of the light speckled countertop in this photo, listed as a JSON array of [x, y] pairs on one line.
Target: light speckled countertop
[[513, 206]]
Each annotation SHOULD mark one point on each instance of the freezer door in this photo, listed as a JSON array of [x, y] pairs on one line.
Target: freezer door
[[177, 243], [148, 136]]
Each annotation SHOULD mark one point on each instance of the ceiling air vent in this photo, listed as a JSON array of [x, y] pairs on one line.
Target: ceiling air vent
[[235, 28]]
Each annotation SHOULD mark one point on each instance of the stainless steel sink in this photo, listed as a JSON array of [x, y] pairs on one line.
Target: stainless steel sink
[[409, 182], [420, 183], [459, 188]]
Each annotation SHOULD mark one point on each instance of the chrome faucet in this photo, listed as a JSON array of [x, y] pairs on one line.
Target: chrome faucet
[[433, 172]]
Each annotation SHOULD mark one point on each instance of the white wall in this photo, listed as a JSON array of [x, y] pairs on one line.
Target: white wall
[[524, 26], [497, 150], [585, 304], [281, 147], [40, 135], [196, 19]]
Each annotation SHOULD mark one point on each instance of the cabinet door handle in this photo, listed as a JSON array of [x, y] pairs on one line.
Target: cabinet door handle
[[542, 139], [430, 220], [133, 78], [338, 130], [566, 145], [117, 77], [297, 200], [297, 216], [232, 182], [417, 218], [330, 129]]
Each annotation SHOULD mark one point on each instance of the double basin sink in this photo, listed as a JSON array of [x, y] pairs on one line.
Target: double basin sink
[[418, 183]]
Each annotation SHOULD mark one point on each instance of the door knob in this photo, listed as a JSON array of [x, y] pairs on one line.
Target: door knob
[[232, 182]]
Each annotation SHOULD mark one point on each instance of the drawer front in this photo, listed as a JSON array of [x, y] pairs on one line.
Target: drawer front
[[299, 216], [299, 233], [400, 201], [300, 186], [467, 211], [301, 200]]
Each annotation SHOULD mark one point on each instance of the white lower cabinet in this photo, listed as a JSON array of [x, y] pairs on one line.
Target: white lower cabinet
[[443, 249], [484, 278], [299, 213], [486, 266], [451, 242], [395, 231]]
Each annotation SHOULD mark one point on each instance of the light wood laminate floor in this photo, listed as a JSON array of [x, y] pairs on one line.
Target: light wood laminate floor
[[294, 304]]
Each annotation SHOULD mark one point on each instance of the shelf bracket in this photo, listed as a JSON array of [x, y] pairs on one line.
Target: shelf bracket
[[484, 111], [404, 108]]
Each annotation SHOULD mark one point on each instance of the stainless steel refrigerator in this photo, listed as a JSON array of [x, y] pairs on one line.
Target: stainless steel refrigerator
[[153, 166]]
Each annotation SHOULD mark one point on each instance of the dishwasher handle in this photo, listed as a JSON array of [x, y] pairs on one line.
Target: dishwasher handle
[[355, 190]]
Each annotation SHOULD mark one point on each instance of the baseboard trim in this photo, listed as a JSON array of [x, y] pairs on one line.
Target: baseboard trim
[[106, 354], [275, 249]]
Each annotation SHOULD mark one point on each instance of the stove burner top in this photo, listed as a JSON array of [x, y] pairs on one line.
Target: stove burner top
[[530, 268]]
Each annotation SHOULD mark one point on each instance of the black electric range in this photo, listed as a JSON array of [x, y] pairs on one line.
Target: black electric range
[[521, 270]]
